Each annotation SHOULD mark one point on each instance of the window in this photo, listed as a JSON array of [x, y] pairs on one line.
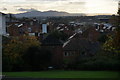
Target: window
[[29, 29], [66, 54]]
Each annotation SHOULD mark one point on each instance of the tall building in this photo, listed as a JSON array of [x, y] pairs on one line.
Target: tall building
[[44, 28], [2, 24]]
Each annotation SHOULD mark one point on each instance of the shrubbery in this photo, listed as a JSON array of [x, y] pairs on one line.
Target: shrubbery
[[24, 54], [101, 62]]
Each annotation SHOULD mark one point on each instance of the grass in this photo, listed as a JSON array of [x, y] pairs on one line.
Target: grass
[[64, 74]]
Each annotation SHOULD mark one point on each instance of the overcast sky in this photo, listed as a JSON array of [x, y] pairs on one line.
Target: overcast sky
[[71, 6]]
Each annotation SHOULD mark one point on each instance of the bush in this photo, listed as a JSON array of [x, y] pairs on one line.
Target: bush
[[98, 62], [36, 58]]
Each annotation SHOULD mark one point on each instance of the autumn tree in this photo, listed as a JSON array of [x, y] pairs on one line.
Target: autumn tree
[[15, 49], [113, 44]]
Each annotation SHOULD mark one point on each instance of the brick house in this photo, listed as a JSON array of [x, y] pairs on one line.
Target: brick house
[[13, 29], [30, 27], [91, 34], [54, 45], [79, 46]]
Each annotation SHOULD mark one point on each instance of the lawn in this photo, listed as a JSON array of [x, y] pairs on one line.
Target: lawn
[[64, 74]]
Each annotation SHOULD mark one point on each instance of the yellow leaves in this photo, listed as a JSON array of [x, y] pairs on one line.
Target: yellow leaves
[[30, 41], [18, 45], [111, 45]]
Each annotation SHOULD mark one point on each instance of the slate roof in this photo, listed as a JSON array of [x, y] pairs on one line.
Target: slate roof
[[51, 41], [78, 43]]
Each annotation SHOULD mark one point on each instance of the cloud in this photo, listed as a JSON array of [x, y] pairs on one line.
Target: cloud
[[4, 9], [71, 6], [46, 0], [28, 10], [17, 6], [78, 3], [117, 0]]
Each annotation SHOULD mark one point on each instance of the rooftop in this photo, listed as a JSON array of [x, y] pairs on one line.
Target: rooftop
[[2, 13]]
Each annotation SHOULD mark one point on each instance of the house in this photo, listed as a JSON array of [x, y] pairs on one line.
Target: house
[[67, 29], [54, 45], [79, 46], [2, 24], [13, 29], [29, 27], [104, 27], [91, 34]]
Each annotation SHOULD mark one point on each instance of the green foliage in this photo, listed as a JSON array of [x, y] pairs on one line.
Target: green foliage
[[15, 49], [59, 35], [6, 64], [103, 38], [113, 43], [25, 54], [36, 58], [114, 20], [108, 46], [101, 61]]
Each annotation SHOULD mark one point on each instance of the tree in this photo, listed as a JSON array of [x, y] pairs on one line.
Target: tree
[[114, 20], [37, 58], [103, 38], [59, 35], [15, 49], [113, 43], [11, 53]]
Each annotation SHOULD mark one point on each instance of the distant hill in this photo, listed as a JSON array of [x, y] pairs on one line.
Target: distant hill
[[45, 14]]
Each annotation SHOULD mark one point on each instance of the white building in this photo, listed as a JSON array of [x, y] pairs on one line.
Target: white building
[[2, 24], [44, 28]]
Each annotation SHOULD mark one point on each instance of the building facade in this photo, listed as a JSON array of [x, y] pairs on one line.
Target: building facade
[[2, 24]]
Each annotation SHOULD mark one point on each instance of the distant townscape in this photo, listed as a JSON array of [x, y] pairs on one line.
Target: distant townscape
[[59, 40]]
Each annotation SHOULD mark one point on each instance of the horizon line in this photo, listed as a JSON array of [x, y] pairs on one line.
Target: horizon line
[[87, 14]]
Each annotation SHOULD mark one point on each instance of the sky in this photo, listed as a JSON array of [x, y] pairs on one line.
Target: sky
[[70, 6]]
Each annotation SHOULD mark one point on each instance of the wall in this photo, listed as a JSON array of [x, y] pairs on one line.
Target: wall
[[44, 28], [2, 24], [57, 56], [0, 46]]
